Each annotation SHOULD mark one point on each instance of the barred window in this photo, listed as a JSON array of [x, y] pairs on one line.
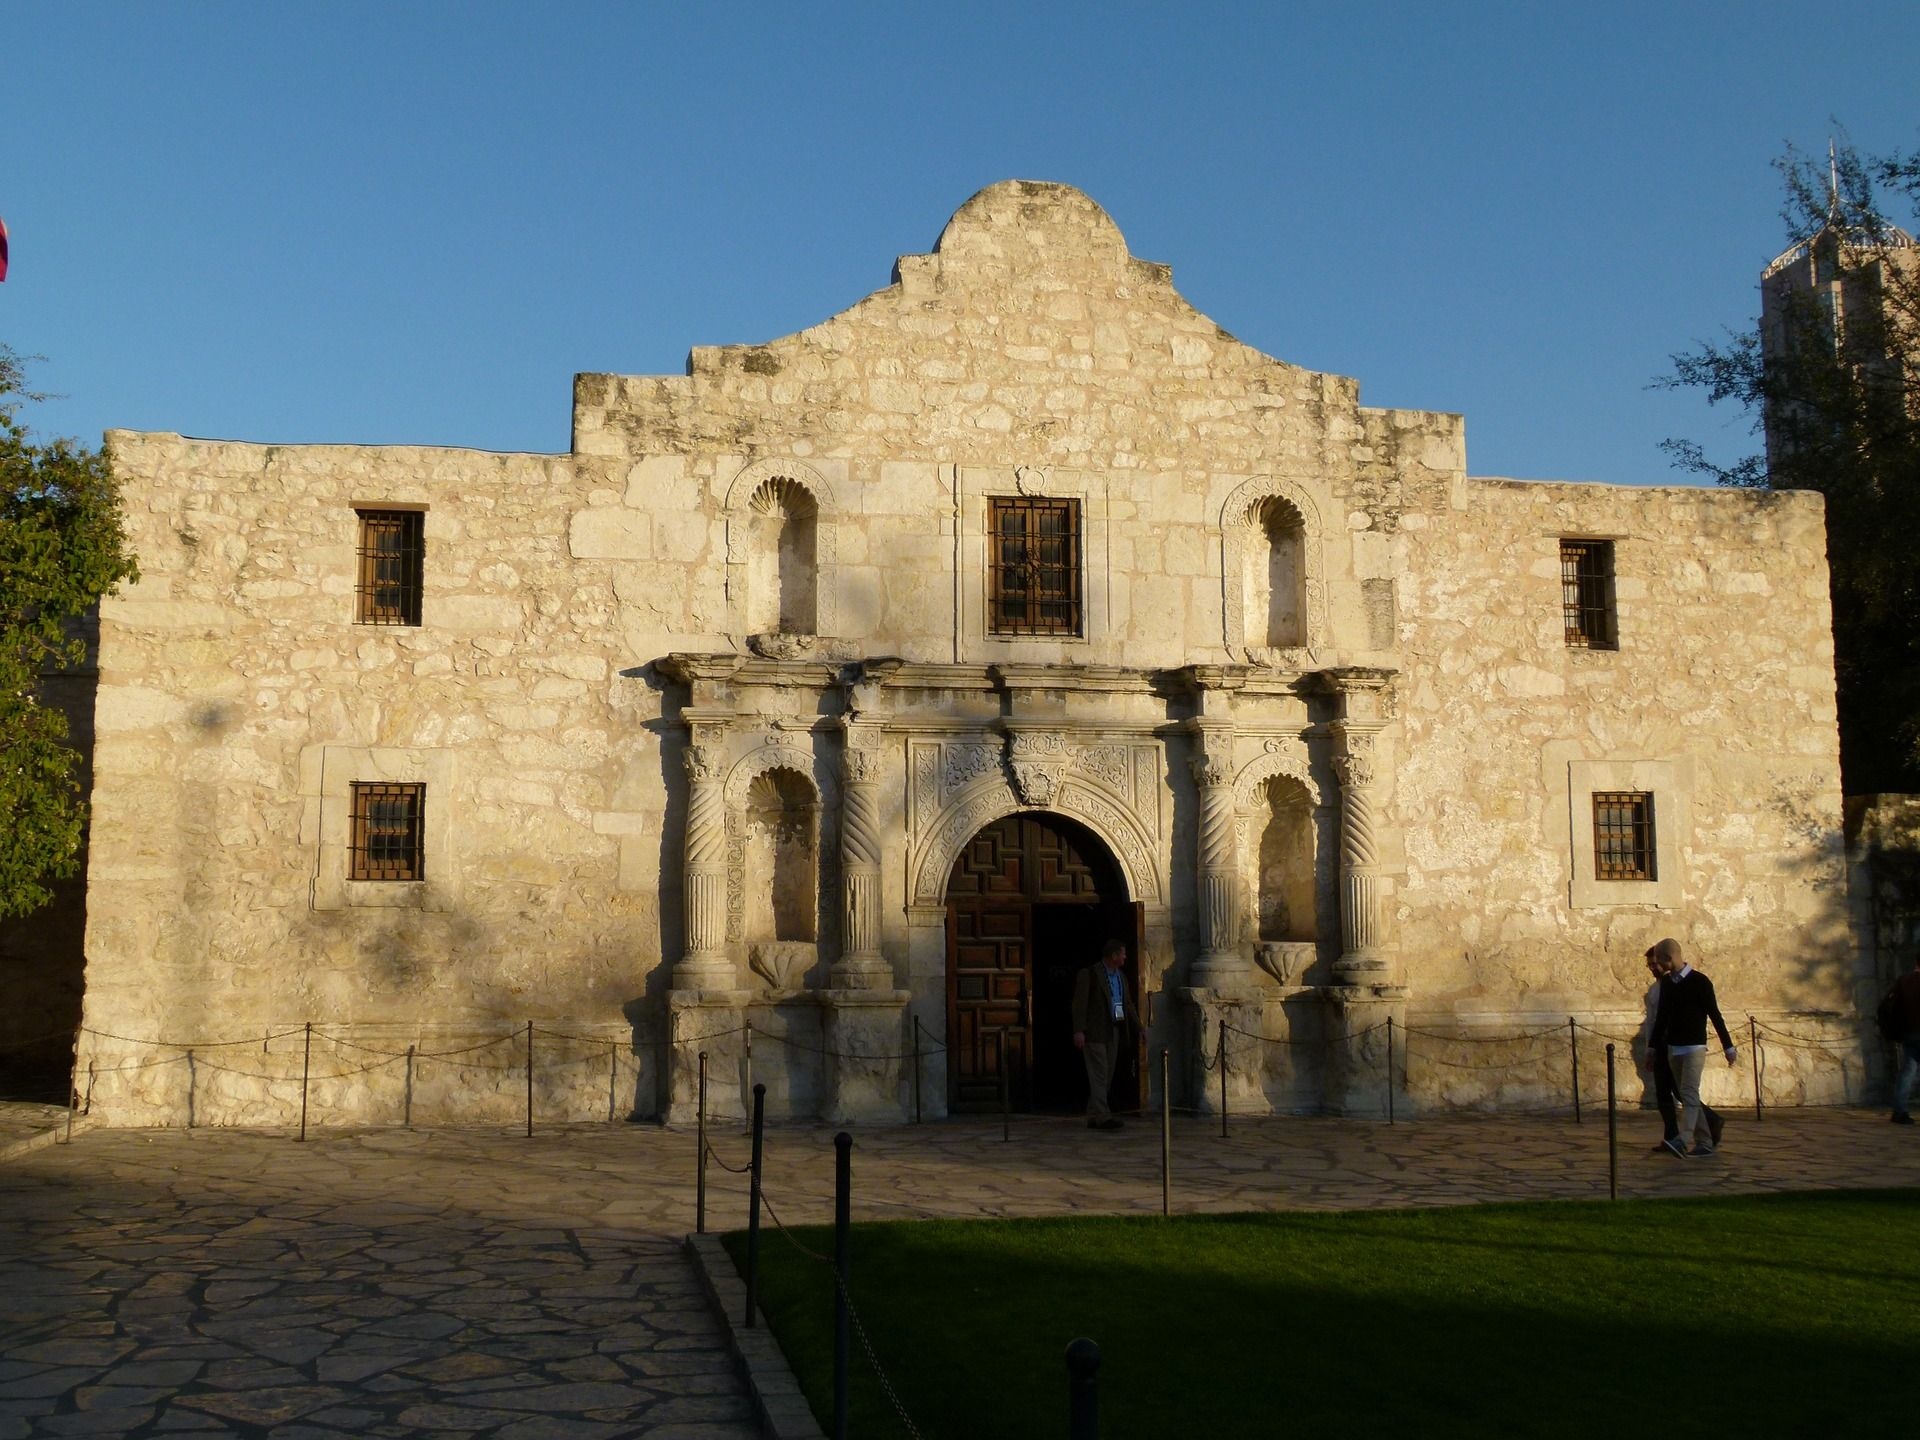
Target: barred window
[[391, 547], [1622, 835], [1033, 566], [1586, 594], [389, 836]]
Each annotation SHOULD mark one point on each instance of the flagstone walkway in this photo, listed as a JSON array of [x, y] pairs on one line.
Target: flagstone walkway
[[480, 1283]]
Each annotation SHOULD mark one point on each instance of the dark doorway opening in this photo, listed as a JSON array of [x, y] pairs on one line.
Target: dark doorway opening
[[1030, 901]]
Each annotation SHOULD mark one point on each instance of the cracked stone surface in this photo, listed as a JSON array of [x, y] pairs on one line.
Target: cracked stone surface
[[185, 1284]]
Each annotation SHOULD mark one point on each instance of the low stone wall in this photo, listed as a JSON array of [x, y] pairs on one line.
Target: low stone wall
[[375, 1075]]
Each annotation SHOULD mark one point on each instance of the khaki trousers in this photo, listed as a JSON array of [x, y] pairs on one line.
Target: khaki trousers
[[1687, 1070], [1099, 1056]]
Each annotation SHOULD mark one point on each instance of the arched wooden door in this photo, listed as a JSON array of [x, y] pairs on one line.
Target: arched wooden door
[[1029, 902]]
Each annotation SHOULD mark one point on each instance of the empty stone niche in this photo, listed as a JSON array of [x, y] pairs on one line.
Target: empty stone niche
[[1276, 597], [782, 560], [1283, 843], [781, 879]]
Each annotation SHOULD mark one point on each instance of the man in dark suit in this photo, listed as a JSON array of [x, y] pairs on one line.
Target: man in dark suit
[[1104, 1023], [1687, 1003]]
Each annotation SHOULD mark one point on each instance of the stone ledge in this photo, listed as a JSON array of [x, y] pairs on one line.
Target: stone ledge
[[777, 1400]]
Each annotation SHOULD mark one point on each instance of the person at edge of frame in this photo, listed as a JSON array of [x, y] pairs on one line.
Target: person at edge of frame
[[1903, 1000]]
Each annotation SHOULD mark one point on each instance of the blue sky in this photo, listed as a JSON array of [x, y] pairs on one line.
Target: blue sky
[[415, 222]]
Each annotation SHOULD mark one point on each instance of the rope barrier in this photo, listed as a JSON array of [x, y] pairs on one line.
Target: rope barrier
[[34, 1040]]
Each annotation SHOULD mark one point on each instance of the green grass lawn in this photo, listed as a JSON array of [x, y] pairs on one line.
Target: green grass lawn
[[1758, 1316]]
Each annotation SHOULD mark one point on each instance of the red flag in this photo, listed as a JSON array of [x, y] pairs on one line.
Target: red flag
[[3, 249]]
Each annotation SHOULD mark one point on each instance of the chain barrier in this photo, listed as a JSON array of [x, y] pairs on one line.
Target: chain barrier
[[853, 1313], [714, 1155]]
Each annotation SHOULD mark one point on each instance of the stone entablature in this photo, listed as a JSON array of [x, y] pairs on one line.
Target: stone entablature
[[706, 708]]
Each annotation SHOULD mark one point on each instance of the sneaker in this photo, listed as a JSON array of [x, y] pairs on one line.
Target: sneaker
[[1716, 1125], [1661, 1149], [1901, 1117], [1673, 1147], [1701, 1151]]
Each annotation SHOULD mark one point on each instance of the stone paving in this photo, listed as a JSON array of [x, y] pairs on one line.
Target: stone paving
[[481, 1283]]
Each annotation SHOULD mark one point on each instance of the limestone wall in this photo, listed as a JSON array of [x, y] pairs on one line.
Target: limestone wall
[[1719, 700], [1028, 355]]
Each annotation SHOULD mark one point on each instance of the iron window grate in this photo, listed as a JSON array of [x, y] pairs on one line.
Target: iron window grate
[[1623, 835], [1586, 594], [1034, 566], [389, 832], [392, 547]]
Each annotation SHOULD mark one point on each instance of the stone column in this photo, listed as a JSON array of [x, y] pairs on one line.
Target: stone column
[[705, 964], [1362, 922], [1221, 965], [861, 965]]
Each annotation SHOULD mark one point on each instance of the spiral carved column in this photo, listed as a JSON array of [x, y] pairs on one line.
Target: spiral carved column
[[1362, 921], [705, 964], [861, 965], [1219, 965]]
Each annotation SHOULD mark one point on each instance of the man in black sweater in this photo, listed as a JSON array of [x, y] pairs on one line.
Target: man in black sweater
[[1687, 1003], [1654, 1062]]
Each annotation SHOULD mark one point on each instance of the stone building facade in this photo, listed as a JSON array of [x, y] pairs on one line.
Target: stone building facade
[[827, 705]]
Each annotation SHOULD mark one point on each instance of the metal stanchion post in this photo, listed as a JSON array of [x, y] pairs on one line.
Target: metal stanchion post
[[613, 1081], [1389, 1069], [1573, 1049], [842, 1301], [753, 1205], [1166, 1139], [1753, 1044], [700, 1174], [1083, 1390], [916, 1069], [306, 1069], [1223, 1077], [406, 1110], [529, 1078], [1613, 1130]]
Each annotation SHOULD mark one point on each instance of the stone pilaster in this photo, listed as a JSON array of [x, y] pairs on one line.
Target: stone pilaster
[[1220, 964], [705, 964], [1365, 698], [861, 965], [1362, 921]]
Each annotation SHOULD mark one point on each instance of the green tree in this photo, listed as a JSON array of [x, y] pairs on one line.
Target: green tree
[[61, 549], [1830, 375]]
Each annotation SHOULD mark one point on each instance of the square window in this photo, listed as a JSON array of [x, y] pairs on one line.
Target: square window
[[1586, 594], [388, 840], [1033, 566], [1623, 845], [392, 544]]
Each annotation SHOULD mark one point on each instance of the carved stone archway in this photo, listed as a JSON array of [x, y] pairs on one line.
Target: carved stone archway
[[992, 796]]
